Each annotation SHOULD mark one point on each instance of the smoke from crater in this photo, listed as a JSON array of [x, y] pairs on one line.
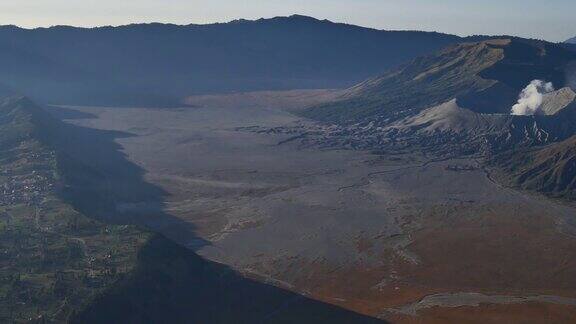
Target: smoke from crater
[[531, 98]]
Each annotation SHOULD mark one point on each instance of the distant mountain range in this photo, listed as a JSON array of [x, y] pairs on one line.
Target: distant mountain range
[[159, 64], [571, 40]]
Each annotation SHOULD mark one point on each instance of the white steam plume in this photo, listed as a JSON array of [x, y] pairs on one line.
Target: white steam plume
[[531, 98]]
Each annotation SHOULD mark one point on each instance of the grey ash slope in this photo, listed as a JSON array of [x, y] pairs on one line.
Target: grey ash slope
[[460, 95], [485, 77], [457, 102], [155, 64]]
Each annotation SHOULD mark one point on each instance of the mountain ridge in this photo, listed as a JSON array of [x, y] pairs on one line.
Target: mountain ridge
[[486, 76], [160, 64], [290, 18]]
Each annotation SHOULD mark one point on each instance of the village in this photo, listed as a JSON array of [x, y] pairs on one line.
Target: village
[[20, 184]]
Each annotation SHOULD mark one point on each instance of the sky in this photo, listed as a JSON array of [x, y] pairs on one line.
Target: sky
[[552, 20]]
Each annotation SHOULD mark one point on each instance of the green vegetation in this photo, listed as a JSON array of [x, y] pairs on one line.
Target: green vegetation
[[53, 260]]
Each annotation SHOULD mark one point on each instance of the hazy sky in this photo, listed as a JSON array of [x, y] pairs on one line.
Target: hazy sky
[[553, 20]]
